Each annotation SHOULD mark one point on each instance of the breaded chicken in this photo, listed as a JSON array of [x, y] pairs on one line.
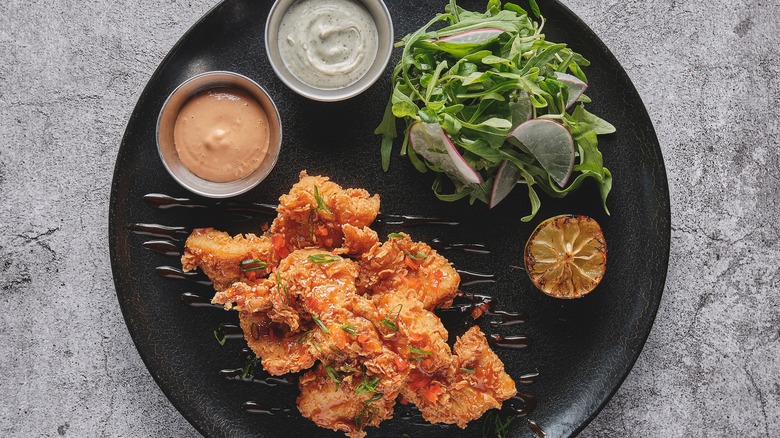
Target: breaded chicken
[[358, 241], [314, 210], [279, 350], [368, 322], [220, 256], [341, 405], [476, 384], [401, 266]]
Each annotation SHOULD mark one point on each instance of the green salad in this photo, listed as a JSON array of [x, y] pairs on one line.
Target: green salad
[[487, 103]]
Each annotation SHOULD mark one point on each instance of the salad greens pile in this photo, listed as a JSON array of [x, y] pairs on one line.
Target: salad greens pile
[[472, 94]]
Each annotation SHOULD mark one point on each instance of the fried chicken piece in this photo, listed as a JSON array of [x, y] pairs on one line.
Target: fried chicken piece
[[415, 337], [339, 406], [280, 350], [219, 256], [475, 385], [266, 296], [358, 241], [414, 269], [314, 210]]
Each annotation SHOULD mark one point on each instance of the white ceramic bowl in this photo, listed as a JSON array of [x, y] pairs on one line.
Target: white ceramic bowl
[[384, 26], [167, 120]]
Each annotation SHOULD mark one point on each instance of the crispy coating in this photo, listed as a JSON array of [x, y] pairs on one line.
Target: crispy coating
[[414, 269], [358, 241], [314, 210], [339, 406], [219, 255], [475, 384], [280, 350]]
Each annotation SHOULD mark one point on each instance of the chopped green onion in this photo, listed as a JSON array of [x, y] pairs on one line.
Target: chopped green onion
[[319, 323], [252, 265], [395, 236], [351, 329], [306, 336], [367, 385], [388, 321], [419, 255], [321, 206], [389, 324], [323, 258], [419, 351], [373, 398], [279, 282], [221, 341], [467, 370], [333, 375], [397, 312]]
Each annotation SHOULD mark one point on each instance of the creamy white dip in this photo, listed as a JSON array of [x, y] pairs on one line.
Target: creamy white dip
[[328, 44]]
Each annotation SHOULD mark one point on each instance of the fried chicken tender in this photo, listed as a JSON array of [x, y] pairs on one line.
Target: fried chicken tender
[[358, 241], [314, 210], [280, 350], [414, 269], [475, 384], [219, 256], [339, 406]]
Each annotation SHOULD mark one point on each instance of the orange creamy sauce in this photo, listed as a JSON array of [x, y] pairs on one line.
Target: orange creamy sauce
[[221, 135]]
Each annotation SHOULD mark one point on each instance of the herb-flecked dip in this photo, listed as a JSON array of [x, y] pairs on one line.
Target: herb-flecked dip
[[328, 44]]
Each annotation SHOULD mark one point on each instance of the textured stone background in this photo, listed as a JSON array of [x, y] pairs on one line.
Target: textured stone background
[[71, 71]]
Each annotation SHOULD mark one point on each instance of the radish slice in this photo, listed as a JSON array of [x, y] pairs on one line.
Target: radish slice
[[505, 180], [576, 87], [431, 142], [551, 144], [522, 110], [477, 36]]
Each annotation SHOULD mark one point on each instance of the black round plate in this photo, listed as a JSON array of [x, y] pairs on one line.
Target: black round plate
[[582, 349]]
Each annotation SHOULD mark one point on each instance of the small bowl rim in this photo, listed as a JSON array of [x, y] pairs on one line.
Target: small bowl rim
[[253, 180], [337, 94]]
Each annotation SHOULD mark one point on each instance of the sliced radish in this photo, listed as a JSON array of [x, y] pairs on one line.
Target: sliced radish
[[431, 142], [551, 144], [476, 36], [576, 87], [505, 180], [522, 110]]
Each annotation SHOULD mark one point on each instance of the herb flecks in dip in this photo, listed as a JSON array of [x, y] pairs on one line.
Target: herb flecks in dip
[[328, 44], [221, 134]]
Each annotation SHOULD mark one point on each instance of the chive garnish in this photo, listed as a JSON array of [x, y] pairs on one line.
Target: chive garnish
[[367, 385], [419, 351], [419, 255], [351, 329], [306, 336], [395, 236], [221, 341], [252, 265], [319, 323], [321, 206], [333, 375], [323, 258], [388, 321], [467, 370], [283, 285], [389, 324], [373, 398]]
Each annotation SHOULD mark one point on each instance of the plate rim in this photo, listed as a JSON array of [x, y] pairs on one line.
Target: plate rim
[[662, 188]]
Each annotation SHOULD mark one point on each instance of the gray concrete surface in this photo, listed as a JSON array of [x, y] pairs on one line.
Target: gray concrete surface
[[709, 73]]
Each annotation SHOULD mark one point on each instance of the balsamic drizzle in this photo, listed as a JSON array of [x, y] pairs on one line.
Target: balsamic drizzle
[[470, 305]]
